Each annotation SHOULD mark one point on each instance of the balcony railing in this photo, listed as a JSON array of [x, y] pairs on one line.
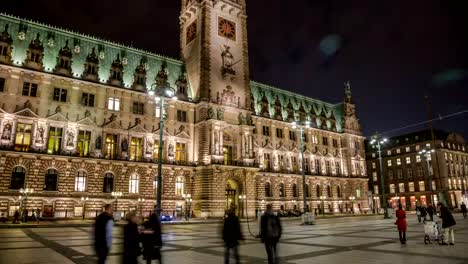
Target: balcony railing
[[298, 171], [238, 163]]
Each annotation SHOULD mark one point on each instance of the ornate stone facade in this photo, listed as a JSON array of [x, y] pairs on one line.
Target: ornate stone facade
[[77, 122]]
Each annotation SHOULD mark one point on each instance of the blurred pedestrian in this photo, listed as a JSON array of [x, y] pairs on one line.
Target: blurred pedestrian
[[38, 215], [401, 223], [152, 241], [25, 215], [463, 209], [448, 222], [430, 211], [423, 214], [131, 240], [270, 233], [103, 233], [418, 212], [232, 234], [16, 217]]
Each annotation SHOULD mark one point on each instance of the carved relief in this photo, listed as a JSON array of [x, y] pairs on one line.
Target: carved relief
[[228, 97], [6, 134]]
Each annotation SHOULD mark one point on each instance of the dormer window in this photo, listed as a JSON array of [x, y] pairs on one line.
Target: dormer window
[[35, 54], [64, 61], [116, 72], [139, 78], [91, 66], [278, 110], [5, 46], [290, 111]]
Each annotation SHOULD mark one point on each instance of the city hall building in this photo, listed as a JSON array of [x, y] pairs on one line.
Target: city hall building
[[79, 121]]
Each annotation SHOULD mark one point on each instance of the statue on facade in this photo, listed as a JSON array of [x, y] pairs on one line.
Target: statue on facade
[[40, 135], [220, 114], [211, 113], [124, 145], [58, 109], [70, 138], [6, 135], [241, 119], [149, 146], [87, 113], [228, 61], [170, 150], [98, 142], [248, 120]]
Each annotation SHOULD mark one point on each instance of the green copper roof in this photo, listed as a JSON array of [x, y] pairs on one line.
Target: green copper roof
[[53, 39]]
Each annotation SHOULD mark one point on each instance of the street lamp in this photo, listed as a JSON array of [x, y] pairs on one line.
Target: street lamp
[[377, 143], [426, 154], [242, 198], [375, 198], [141, 200], [25, 192], [352, 198], [83, 200], [188, 202], [116, 196], [301, 131], [322, 198], [160, 92]]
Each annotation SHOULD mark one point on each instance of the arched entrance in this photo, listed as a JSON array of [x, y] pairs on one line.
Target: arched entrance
[[232, 192]]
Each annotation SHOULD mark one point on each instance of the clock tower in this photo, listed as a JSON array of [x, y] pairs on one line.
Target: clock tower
[[214, 47]]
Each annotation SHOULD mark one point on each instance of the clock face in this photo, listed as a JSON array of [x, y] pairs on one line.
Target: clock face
[[227, 29], [191, 32]]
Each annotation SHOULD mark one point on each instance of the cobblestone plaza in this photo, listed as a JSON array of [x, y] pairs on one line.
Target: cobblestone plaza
[[354, 240]]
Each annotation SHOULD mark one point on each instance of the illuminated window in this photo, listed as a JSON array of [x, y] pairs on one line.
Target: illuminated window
[[389, 152], [408, 160], [417, 147], [136, 149], [60, 95], [422, 186], [29, 89], [418, 158], [179, 186], [314, 139], [401, 187], [113, 104], [374, 165], [134, 183], [376, 189], [411, 186], [408, 149], [80, 182], [50, 180], [358, 192], [55, 140], [156, 150], [398, 162], [111, 146], [180, 152], [433, 183], [398, 151], [374, 176], [84, 139], [389, 163], [392, 188], [23, 137], [18, 178]]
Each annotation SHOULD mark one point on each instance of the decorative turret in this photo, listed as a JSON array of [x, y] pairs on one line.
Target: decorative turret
[[5, 46], [351, 122], [182, 84], [116, 72], [139, 77], [35, 54], [91, 66], [63, 66], [161, 77]]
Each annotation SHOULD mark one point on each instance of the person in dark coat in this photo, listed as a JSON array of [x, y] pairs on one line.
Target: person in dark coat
[[418, 212], [16, 217], [131, 241], [231, 235], [103, 233], [448, 222], [423, 213], [401, 223], [270, 233], [463, 209], [152, 241], [430, 211]]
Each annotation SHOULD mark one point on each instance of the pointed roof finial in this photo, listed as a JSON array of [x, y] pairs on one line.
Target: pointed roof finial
[[348, 98]]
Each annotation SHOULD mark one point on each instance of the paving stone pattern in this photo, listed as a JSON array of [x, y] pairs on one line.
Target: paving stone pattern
[[345, 240]]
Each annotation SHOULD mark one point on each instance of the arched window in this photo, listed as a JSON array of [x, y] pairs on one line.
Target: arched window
[[281, 190], [267, 190], [50, 183], [179, 186], [108, 183], [317, 191], [18, 177], [134, 184], [329, 192], [80, 182], [294, 190], [307, 193], [338, 191]]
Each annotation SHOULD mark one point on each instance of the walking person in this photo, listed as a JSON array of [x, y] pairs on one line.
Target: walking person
[[270, 233], [38, 215], [131, 241], [463, 209], [232, 234], [401, 223], [152, 241], [418, 212], [430, 211], [103, 233], [16, 217], [448, 222], [423, 214]]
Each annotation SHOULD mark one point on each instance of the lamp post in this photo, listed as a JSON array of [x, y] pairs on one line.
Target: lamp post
[[301, 131], [322, 198], [116, 196], [159, 93], [375, 198], [352, 198], [242, 198], [378, 143], [25, 193], [188, 202], [426, 154], [83, 200], [140, 200]]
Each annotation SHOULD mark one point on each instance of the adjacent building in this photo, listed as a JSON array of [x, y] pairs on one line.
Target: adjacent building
[[420, 167], [79, 126]]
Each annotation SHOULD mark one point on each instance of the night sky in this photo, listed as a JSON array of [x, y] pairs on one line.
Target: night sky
[[393, 52]]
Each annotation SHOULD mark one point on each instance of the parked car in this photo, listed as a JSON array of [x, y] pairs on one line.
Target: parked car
[[166, 217]]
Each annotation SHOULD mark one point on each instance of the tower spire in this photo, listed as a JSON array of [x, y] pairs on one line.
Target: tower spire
[[348, 95]]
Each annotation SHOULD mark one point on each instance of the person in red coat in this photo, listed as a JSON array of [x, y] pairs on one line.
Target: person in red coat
[[401, 223]]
